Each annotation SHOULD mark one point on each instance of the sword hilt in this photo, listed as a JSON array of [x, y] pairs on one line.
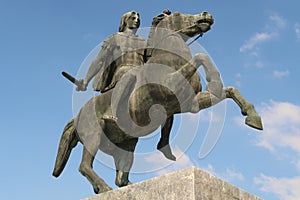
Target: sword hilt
[[79, 83]]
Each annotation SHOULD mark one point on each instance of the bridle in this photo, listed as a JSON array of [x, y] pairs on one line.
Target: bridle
[[175, 32], [199, 35]]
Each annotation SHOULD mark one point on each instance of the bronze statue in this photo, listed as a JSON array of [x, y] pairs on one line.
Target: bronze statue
[[145, 97]]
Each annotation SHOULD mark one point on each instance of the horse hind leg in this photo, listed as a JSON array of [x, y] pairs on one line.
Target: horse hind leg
[[253, 119], [86, 168]]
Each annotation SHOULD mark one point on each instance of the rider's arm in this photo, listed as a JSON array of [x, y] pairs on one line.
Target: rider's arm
[[93, 69], [96, 65]]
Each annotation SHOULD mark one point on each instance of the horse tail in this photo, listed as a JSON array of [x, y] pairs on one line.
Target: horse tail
[[68, 141]]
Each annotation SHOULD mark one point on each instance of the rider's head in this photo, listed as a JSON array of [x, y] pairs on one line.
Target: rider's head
[[130, 21]]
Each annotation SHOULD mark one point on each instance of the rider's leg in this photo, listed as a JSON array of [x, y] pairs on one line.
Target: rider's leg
[[163, 144]]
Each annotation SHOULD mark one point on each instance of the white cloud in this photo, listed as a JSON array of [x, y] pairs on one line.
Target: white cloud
[[284, 188], [210, 169], [229, 175], [238, 83], [298, 165], [257, 39], [239, 75], [278, 20], [281, 127], [259, 64], [232, 174], [281, 136], [281, 74], [87, 36], [272, 30], [183, 161], [297, 30], [157, 161]]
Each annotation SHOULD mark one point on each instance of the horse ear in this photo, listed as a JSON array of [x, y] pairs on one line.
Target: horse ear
[[157, 19], [176, 13]]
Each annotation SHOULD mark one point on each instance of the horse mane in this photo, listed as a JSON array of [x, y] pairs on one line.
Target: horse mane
[[163, 24], [171, 22], [160, 17]]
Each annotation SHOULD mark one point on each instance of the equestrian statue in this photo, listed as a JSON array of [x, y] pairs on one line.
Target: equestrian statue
[[144, 84]]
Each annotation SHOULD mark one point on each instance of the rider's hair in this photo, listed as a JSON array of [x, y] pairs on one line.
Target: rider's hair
[[124, 20]]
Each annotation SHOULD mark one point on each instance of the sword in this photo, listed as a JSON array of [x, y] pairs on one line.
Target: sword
[[78, 83]]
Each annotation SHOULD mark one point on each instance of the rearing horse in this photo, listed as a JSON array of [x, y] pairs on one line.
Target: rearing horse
[[145, 97]]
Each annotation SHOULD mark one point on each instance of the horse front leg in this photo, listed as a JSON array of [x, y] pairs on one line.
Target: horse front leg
[[123, 162], [123, 157], [214, 86], [204, 100], [253, 119], [188, 70], [178, 79]]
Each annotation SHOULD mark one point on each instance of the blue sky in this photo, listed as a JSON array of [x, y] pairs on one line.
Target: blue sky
[[255, 45]]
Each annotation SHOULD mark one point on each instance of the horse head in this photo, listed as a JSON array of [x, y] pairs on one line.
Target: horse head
[[187, 25]]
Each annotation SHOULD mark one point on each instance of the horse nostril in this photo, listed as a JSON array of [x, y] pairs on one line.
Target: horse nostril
[[205, 13]]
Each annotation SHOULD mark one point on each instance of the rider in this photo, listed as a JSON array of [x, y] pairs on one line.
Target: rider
[[120, 53]]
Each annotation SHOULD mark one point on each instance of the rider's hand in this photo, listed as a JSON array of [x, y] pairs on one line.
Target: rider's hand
[[216, 88], [82, 85]]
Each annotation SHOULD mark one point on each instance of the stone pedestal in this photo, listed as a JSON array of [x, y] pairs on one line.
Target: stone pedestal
[[186, 184]]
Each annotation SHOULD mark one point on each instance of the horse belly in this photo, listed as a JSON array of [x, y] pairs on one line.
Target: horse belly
[[149, 106]]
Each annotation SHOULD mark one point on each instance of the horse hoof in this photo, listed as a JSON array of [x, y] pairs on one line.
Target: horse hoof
[[124, 184], [100, 189], [254, 122]]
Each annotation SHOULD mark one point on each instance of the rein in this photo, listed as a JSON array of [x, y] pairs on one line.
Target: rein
[[175, 32], [200, 35]]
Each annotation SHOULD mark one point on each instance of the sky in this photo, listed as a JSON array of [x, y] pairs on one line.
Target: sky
[[255, 45]]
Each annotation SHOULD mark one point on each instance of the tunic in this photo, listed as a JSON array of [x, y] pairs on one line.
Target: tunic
[[120, 53]]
